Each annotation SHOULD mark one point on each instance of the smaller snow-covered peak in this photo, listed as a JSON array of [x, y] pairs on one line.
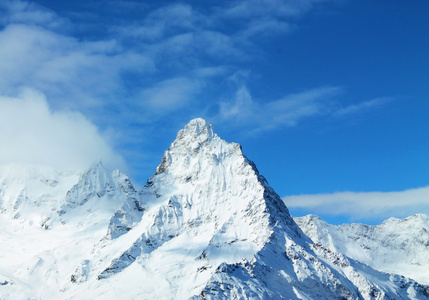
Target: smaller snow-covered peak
[[96, 181], [417, 219], [310, 217]]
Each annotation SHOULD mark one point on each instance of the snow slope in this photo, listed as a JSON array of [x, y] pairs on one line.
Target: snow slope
[[207, 225], [398, 246]]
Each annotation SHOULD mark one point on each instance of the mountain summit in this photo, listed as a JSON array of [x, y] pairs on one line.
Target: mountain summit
[[197, 128], [207, 225]]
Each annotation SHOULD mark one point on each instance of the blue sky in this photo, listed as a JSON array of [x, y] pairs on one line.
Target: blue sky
[[329, 98]]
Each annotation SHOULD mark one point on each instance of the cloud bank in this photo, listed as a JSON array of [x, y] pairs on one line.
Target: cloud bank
[[34, 134], [364, 205]]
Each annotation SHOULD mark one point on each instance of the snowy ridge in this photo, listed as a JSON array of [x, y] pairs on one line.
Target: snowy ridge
[[398, 246], [206, 225]]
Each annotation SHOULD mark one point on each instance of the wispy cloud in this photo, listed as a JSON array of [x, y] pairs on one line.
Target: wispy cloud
[[287, 111], [63, 67], [244, 110], [265, 27], [364, 205], [30, 13], [170, 95], [362, 107], [278, 8]]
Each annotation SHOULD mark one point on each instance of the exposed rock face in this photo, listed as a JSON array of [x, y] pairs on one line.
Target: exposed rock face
[[206, 225]]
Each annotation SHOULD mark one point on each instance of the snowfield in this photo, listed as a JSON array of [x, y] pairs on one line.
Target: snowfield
[[206, 226]]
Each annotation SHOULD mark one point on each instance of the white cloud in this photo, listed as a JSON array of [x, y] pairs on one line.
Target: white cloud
[[364, 205], [34, 134]]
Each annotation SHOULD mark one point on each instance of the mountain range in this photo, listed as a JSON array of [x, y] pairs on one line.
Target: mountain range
[[206, 225]]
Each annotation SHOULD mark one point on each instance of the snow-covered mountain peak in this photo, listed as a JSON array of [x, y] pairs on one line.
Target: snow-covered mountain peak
[[194, 146], [203, 173], [200, 163], [197, 135], [197, 128], [415, 220]]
